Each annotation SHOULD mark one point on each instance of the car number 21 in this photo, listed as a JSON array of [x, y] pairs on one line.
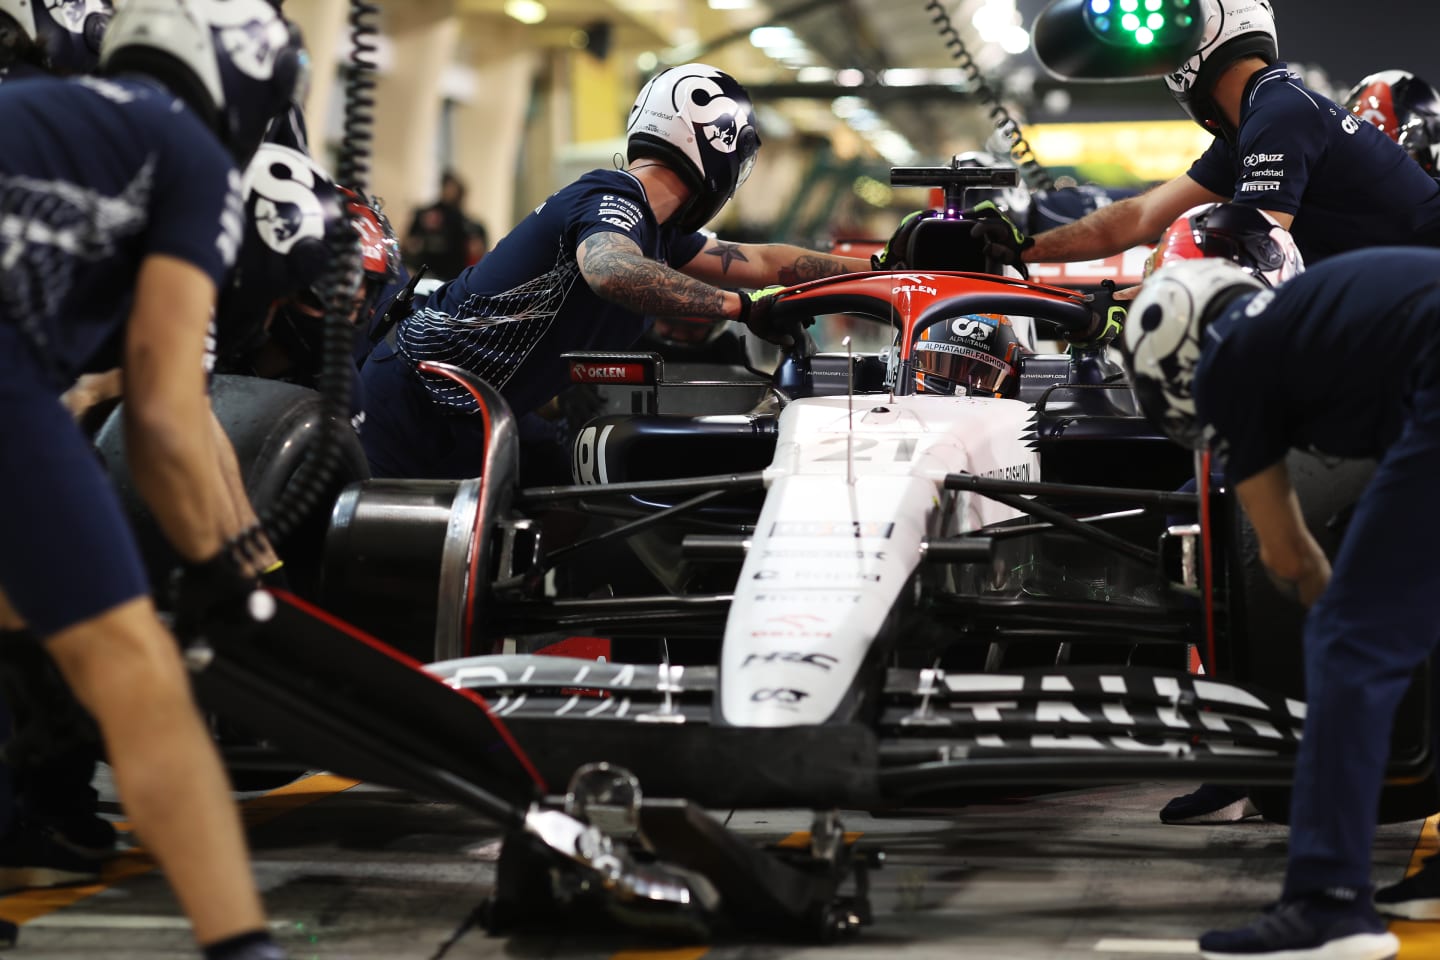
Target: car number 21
[[884, 450]]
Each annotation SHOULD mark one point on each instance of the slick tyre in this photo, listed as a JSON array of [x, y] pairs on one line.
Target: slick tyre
[[273, 427], [1269, 628]]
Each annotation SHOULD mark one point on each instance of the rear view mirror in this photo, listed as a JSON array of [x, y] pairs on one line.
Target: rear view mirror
[[1117, 40]]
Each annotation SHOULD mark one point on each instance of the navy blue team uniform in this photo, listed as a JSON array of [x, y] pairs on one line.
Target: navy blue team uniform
[[130, 173], [1344, 360], [1297, 152], [507, 320]]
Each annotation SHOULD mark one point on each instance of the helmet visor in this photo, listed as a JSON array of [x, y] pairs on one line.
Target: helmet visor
[[973, 370]]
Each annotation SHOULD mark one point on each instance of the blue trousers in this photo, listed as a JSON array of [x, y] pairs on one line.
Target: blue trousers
[[1376, 622]]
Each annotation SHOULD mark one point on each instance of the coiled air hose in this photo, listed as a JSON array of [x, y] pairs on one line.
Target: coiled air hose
[[1036, 176], [342, 278]]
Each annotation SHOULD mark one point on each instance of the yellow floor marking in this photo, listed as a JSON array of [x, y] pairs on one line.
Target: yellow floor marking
[[678, 953], [1420, 941], [800, 839], [26, 905]]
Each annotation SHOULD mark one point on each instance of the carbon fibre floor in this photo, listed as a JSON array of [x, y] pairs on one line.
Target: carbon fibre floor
[[367, 873]]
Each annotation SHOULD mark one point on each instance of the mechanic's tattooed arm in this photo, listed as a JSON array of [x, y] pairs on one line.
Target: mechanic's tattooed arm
[[763, 264], [618, 271]]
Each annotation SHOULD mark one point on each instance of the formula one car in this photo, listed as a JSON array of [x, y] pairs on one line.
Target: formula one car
[[869, 579]]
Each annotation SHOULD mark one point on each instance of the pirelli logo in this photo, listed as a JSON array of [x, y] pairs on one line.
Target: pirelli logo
[[1260, 186]]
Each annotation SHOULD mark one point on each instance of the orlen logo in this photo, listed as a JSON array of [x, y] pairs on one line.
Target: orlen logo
[[1255, 159], [928, 291], [607, 373]]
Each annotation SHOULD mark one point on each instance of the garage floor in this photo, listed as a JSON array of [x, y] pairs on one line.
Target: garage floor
[[356, 872]]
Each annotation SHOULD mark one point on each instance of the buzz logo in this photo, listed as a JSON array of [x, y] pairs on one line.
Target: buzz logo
[[1255, 159], [1350, 124]]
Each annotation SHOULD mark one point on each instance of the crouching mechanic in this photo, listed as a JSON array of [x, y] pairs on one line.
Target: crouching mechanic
[[1333, 181], [1198, 331], [121, 215], [585, 271]]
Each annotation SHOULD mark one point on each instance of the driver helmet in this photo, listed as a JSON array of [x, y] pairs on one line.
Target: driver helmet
[[1163, 336], [292, 208], [1234, 29], [1015, 201], [700, 122], [1243, 235], [237, 63], [68, 32], [973, 355]]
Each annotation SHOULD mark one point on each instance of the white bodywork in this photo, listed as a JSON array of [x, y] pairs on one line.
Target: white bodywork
[[841, 532]]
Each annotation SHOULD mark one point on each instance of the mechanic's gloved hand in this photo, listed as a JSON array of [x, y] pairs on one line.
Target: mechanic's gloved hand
[[1003, 241], [204, 592], [1108, 314], [893, 257], [755, 313]]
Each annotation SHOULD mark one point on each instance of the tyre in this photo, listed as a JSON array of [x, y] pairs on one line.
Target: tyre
[[273, 427], [1268, 649]]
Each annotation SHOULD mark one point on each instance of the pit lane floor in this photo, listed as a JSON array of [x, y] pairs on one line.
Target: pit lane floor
[[358, 872]]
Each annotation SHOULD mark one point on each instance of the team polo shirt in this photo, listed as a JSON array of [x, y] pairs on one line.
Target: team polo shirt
[[1346, 183], [1327, 362], [508, 319], [108, 173]]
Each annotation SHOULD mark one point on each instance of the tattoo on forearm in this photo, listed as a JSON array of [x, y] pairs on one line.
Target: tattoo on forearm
[[810, 266], [617, 271], [728, 254]]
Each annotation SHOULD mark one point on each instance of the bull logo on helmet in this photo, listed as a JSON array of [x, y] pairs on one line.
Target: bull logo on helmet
[[71, 14], [719, 117], [251, 35], [286, 209]]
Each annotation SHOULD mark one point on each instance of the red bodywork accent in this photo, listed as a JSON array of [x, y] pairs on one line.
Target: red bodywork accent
[[581, 648], [1207, 559], [910, 294], [379, 646], [474, 560]]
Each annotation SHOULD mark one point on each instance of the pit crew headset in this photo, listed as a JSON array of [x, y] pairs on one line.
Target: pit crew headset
[[1234, 29], [68, 34], [698, 121], [236, 63], [1406, 109]]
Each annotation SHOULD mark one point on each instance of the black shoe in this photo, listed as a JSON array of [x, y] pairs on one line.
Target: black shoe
[[1417, 897], [31, 857], [1313, 928], [85, 834], [1210, 804]]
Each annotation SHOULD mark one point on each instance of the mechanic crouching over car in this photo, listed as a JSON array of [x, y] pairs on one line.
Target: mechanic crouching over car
[[1218, 359], [585, 271], [121, 212], [1333, 181]]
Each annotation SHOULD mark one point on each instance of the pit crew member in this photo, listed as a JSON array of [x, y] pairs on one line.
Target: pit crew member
[[271, 318], [1334, 182], [585, 271], [122, 212], [1196, 330]]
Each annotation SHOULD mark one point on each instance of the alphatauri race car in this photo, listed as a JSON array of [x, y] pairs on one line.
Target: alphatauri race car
[[874, 577]]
